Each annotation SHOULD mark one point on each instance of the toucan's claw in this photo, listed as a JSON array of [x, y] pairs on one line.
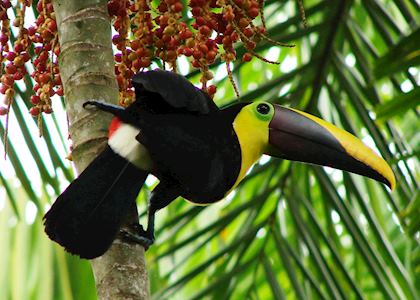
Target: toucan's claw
[[138, 229], [136, 234], [134, 238]]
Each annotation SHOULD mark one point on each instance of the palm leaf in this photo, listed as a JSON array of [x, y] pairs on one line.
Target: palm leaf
[[289, 230]]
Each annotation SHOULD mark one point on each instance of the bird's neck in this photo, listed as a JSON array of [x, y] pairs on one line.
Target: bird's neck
[[252, 140]]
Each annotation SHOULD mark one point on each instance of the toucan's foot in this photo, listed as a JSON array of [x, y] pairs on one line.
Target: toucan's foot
[[138, 239], [136, 234]]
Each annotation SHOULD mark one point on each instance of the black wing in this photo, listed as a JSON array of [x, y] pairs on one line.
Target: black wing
[[174, 91]]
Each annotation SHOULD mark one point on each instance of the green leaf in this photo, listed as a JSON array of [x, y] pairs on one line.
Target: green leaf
[[399, 58], [398, 105]]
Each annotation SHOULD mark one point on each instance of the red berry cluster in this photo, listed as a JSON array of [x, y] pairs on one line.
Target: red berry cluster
[[119, 9], [238, 16], [7, 56], [42, 38], [203, 45], [167, 34], [217, 27], [46, 75], [144, 34]]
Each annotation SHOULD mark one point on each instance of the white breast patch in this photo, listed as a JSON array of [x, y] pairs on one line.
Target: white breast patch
[[123, 142]]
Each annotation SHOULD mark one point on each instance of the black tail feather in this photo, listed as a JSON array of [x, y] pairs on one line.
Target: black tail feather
[[86, 217]]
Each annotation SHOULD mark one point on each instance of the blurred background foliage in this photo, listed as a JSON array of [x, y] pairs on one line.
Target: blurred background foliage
[[289, 231]]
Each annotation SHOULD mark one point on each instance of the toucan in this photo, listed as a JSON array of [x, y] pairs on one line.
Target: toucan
[[175, 131]]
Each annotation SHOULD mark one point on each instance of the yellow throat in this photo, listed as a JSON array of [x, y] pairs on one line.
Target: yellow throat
[[252, 133]]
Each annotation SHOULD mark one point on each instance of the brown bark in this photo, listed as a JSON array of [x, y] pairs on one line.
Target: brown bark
[[87, 71]]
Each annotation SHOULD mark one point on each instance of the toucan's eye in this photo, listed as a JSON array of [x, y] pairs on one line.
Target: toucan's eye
[[263, 108]]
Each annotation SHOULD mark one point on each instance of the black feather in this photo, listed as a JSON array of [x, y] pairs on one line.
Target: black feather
[[175, 89], [87, 216]]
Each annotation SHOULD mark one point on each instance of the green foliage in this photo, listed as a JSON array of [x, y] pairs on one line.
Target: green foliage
[[290, 231]]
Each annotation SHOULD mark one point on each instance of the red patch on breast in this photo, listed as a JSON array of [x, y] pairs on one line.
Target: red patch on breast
[[115, 124]]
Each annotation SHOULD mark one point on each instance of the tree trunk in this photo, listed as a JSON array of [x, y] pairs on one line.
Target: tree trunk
[[87, 71]]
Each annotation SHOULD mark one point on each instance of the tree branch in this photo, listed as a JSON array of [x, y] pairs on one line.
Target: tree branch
[[87, 71]]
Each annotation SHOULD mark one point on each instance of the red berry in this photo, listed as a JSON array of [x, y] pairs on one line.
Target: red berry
[[227, 41], [25, 56], [211, 55], [6, 4], [11, 56], [251, 45], [243, 22], [47, 109], [57, 79], [248, 32], [234, 37], [44, 78], [18, 47], [177, 7], [32, 30], [229, 16], [185, 34], [196, 11], [247, 57], [170, 55], [3, 15], [60, 91], [205, 30], [141, 52], [197, 54], [196, 63], [57, 50], [34, 111], [145, 62], [136, 64], [7, 79], [200, 21], [135, 45], [116, 39], [17, 76], [3, 110], [50, 7], [253, 12], [211, 90], [11, 68], [47, 47], [52, 25], [35, 99], [113, 7], [132, 56], [203, 48], [118, 57], [40, 6], [3, 89], [43, 56], [3, 39], [188, 51], [40, 20]]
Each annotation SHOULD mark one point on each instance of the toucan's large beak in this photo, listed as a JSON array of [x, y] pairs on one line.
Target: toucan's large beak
[[299, 136]]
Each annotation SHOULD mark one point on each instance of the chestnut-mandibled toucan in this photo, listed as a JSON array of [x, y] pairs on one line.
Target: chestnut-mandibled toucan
[[174, 131]]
